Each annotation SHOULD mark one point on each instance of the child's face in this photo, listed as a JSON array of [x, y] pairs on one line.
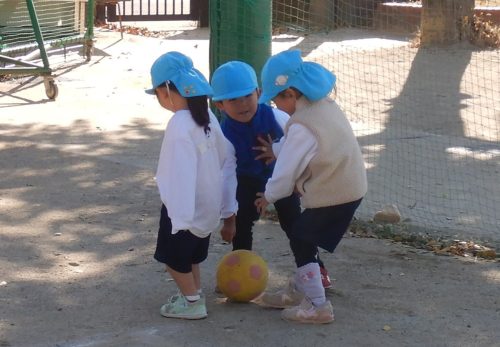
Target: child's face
[[286, 101], [241, 109]]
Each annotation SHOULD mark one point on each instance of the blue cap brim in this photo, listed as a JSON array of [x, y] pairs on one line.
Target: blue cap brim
[[313, 80], [265, 98], [235, 94]]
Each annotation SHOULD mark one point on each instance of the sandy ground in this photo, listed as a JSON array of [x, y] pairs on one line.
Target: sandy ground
[[78, 218]]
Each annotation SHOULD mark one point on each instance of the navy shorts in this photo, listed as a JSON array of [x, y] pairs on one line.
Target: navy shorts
[[179, 251], [324, 226]]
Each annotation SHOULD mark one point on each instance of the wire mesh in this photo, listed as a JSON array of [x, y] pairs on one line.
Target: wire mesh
[[31, 27], [426, 115], [61, 22]]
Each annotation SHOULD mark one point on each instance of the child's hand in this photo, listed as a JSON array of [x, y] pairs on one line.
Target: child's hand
[[228, 229], [261, 204], [266, 147]]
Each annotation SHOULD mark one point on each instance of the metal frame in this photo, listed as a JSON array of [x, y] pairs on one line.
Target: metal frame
[[144, 11], [27, 68]]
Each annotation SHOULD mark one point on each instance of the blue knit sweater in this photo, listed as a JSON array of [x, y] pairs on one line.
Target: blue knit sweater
[[244, 136]]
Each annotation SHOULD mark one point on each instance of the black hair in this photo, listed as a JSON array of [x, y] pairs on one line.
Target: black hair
[[198, 106], [297, 92]]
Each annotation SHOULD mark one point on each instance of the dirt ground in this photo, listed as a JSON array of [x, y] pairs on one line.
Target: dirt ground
[[78, 219]]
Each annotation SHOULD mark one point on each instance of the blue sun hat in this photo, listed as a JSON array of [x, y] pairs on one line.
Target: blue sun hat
[[233, 79], [287, 69], [178, 69]]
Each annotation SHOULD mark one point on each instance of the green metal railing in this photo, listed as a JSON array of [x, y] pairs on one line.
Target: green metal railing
[[39, 25]]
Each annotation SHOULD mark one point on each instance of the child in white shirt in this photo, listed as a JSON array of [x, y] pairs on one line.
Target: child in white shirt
[[193, 169]]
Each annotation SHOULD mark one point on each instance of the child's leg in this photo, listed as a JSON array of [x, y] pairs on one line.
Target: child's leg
[[306, 282], [179, 252], [189, 305], [195, 268], [314, 308], [288, 210], [184, 250], [308, 276], [200, 253], [185, 282], [246, 193]]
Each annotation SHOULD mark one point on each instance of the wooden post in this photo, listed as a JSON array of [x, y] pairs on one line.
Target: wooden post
[[203, 14], [199, 9], [100, 13], [321, 14], [445, 21]]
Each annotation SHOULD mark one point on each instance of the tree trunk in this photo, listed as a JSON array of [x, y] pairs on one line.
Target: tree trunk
[[445, 21]]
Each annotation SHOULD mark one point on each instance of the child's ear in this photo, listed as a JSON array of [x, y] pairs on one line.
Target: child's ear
[[259, 91], [219, 105]]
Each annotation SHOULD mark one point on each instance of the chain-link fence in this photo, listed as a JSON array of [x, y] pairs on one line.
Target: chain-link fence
[[422, 95], [419, 82]]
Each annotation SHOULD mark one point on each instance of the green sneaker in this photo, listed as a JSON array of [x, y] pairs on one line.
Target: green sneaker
[[173, 298], [178, 307]]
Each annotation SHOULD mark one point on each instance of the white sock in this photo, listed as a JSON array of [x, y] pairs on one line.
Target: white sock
[[308, 280], [192, 298]]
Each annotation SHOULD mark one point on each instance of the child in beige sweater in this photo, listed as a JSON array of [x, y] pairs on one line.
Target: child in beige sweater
[[319, 157]]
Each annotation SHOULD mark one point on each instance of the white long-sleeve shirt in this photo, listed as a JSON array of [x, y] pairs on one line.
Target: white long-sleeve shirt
[[281, 117], [295, 152], [196, 175]]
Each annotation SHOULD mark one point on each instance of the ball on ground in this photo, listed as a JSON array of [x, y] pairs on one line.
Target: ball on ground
[[242, 275]]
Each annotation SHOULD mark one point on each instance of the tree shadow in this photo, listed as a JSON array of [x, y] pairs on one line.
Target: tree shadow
[[416, 165], [79, 212], [424, 120], [75, 204]]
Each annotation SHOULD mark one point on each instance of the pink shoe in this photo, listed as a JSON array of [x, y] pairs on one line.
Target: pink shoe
[[287, 297], [306, 312], [325, 279]]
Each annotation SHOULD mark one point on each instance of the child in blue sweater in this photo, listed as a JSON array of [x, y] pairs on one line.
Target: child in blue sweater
[[236, 95]]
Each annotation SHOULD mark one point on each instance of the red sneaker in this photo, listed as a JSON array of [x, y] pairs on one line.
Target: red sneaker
[[325, 279]]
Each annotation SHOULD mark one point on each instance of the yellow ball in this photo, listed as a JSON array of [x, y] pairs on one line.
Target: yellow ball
[[242, 275]]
